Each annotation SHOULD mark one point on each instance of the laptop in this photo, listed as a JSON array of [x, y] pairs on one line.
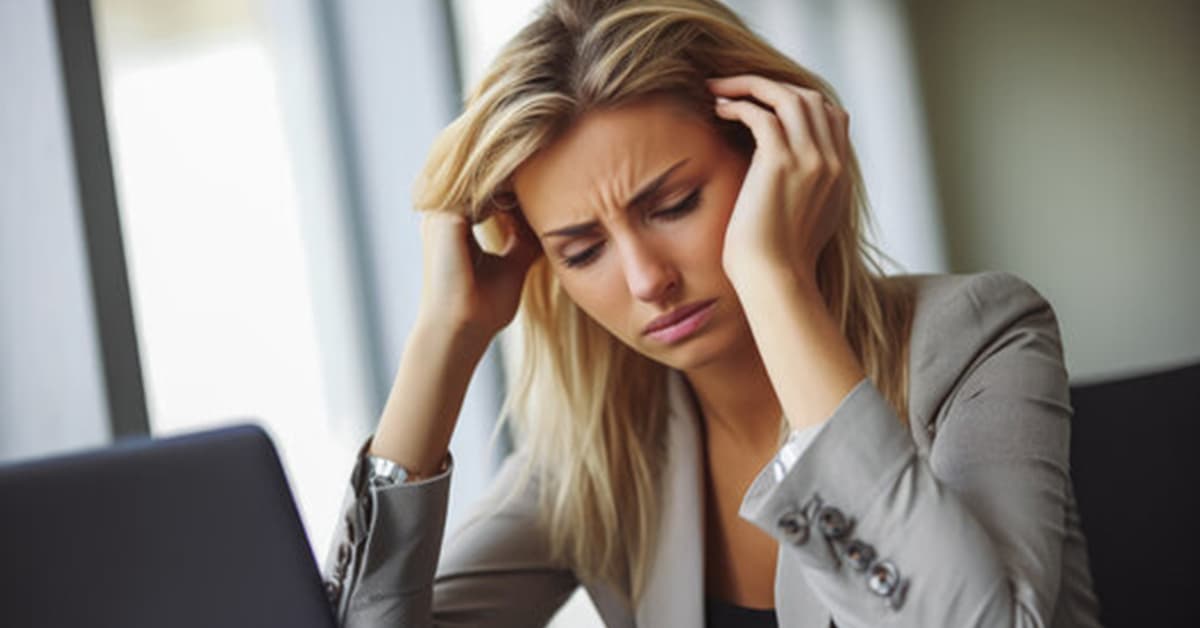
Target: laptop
[[194, 530]]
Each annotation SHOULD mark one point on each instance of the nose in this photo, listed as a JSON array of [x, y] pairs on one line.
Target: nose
[[650, 275]]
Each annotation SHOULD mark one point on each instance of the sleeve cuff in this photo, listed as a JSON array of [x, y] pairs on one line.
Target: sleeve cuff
[[842, 463], [794, 447], [360, 476], [395, 532]]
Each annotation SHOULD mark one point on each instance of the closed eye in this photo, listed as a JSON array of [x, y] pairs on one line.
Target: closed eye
[[681, 208], [580, 259], [674, 212]]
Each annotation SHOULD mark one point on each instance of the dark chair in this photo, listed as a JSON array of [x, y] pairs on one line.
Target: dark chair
[[1135, 458]]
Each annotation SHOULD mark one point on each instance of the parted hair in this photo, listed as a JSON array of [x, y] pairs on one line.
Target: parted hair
[[588, 412]]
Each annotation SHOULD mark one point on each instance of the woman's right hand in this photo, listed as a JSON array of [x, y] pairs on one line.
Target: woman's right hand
[[466, 289], [467, 296]]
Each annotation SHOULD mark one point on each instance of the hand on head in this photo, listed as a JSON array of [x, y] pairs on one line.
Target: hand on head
[[472, 285], [796, 190]]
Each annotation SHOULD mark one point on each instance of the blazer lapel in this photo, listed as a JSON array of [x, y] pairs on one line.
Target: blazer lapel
[[674, 594]]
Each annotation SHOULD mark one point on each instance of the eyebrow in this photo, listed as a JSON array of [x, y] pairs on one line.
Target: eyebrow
[[644, 194]]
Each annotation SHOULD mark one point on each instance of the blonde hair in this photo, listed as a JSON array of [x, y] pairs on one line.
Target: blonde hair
[[590, 411]]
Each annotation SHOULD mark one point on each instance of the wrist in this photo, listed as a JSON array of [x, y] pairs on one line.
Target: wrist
[[755, 278], [383, 472], [460, 338]]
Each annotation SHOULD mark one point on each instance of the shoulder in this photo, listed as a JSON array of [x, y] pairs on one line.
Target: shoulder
[[961, 322], [965, 311], [970, 299]]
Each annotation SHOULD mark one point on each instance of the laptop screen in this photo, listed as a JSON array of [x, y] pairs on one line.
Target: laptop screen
[[194, 530]]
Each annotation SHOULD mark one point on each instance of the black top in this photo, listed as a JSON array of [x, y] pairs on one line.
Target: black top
[[721, 614]]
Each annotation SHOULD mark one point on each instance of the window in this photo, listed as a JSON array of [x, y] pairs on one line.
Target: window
[[230, 216]]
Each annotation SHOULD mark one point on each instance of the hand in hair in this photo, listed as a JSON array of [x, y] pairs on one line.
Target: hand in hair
[[467, 297], [796, 190], [794, 195], [466, 288]]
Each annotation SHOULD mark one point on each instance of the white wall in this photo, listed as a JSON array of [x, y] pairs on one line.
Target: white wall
[[52, 394], [400, 91], [1067, 142], [861, 48]]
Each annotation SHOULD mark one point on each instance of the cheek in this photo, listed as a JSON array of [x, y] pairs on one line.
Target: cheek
[[725, 194], [709, 231], [601, 297]]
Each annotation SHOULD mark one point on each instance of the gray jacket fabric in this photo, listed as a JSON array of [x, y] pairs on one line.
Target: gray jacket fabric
[[964, 517]]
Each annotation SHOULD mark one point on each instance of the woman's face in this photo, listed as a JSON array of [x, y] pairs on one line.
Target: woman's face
[[631, 206]]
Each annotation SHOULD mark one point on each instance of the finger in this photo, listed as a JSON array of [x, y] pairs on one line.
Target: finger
[[522, 244], [448, 228], [817, 112], [439, 225], [775, 95], [839, 121], [828, 131], [518, 255], [763, 125], [492, 234], [839, 125]]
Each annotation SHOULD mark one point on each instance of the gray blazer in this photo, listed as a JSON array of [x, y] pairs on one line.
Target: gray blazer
[[965, 517]]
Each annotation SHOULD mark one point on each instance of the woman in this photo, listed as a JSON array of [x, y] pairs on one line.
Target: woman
[[726, 414]]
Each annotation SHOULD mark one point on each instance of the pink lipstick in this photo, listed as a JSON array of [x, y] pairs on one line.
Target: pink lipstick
[[681, 322]]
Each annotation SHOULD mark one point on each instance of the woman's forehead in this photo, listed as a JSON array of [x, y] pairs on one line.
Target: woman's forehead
[[607, 155]]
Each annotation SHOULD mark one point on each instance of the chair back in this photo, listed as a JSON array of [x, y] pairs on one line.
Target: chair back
[[1135, 464]]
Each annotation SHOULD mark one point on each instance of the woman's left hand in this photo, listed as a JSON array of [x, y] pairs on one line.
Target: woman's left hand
[[796, 187]]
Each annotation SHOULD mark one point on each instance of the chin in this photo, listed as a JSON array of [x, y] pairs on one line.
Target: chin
[[707, 347]]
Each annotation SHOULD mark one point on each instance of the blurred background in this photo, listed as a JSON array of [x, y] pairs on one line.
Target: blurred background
[[205, 215]]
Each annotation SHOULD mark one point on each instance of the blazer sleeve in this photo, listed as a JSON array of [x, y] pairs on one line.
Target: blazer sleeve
[[387, 566], [970, 535]]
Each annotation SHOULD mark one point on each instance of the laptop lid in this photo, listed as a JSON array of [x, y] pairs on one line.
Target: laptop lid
[[194, 530]]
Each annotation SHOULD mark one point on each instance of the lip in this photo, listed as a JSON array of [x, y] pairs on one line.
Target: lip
[[680, 322]]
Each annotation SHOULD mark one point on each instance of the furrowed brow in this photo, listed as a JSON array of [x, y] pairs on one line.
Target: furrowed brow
[[643, 195]]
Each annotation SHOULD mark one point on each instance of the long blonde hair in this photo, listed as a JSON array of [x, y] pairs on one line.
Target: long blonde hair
[[590, 412]]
